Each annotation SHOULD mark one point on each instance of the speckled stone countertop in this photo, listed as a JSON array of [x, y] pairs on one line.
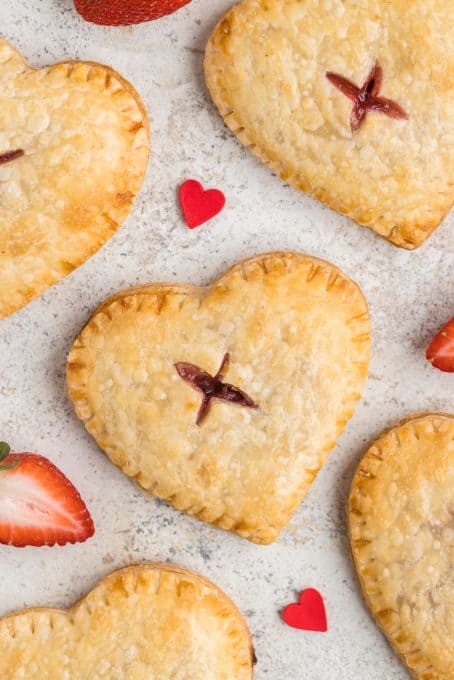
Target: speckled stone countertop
[[410, 295]]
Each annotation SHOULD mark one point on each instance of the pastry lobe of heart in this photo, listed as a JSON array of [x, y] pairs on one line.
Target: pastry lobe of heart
[[74, 146], [144, 622], [401, 515], [350, 102], [225, 400]]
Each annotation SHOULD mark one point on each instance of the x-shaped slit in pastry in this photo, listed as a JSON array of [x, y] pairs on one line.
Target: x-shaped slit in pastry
[[212, 387], [365, 98]]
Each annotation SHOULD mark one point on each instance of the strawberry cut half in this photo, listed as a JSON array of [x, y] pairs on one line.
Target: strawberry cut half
[[126, 12], [38, 504], [441, 349]]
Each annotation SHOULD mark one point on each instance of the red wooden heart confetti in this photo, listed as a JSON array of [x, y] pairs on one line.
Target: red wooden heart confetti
[[309, 614], [199, 205]]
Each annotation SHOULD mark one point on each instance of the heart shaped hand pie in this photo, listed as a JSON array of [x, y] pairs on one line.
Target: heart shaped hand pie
[[225, 400], [142, 622], [327, 95], [401, 514], [74, 147]]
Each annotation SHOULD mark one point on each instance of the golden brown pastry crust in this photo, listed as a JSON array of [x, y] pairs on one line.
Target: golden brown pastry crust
[[401, 511], [85, 136], [266, 65], [143, 622], [297, 330]]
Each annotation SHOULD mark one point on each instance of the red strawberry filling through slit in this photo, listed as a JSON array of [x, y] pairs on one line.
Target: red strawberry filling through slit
[[212, 387], [10, 156], [365, 98]]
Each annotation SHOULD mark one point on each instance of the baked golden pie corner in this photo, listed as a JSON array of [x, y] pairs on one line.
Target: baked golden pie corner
[[74, 148], [350, 102], [143, 621], [225, 400], [401, 517]]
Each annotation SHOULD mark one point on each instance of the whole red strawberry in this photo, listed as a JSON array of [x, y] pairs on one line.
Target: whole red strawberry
[[38, 504], [441, 350], [126, 12]]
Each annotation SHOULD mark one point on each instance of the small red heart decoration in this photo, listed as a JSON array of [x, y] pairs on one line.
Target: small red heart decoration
[[199, 205], [309, 614]]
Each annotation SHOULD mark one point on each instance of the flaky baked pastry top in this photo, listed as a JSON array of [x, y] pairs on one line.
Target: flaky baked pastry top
[[84, 135], [144, 622], [401, 516], [297, 333], [266, 68]]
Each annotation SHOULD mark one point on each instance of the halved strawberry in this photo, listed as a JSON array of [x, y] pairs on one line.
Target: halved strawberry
[[441, 350], [126, 12], [38, 504]]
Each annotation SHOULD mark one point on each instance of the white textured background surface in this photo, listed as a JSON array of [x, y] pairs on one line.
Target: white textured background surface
[[410, 296]]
